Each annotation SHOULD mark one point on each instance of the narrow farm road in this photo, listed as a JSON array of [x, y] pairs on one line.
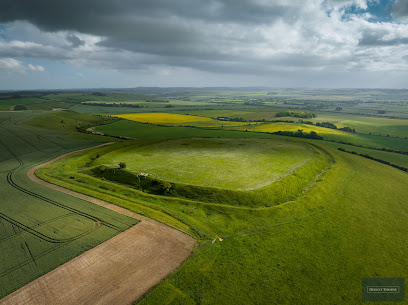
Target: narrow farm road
[[118, 271]]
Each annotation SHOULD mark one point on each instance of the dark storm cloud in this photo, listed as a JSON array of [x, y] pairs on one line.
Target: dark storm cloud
[[105, 16], [188, 28], [400, 9], [191, 29], [257, 37]]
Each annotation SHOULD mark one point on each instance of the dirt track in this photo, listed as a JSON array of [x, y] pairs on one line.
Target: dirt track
[[118, 271]]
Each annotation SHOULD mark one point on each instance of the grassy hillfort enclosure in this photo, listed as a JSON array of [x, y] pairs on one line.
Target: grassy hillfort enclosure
[[283, 196]]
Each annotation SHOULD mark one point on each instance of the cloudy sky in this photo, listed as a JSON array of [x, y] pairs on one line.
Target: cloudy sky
[[47, 44]]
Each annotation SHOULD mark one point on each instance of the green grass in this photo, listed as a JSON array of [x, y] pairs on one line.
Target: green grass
[[395, 158], [232, 172], [114, 97], [395, 128], [62, 120], [321, 258], [222, 163], [7, 104], [67, 121], [48, 106], [40, 229]]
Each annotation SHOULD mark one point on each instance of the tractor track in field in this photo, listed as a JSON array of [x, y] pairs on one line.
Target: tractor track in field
[[11, 181], [98, 223], [22, 139], [118, 271], [35, 226], [31, 229]]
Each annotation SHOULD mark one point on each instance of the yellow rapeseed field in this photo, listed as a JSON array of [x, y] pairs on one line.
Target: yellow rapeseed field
[[163, 118], [280, 126], [178, 119]]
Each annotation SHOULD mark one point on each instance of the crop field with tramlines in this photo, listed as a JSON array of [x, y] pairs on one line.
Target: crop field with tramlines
[[40, 228]]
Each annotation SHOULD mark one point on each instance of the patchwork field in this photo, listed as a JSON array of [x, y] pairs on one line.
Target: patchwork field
[[278, 219], [373, 125], [367, 140]]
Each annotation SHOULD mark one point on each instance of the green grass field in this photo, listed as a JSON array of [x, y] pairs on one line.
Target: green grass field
[[6, 105], [40, 229]]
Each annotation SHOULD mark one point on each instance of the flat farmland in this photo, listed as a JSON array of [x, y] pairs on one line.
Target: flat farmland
[[41, 229]]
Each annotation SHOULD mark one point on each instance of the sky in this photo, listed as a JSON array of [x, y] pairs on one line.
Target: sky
[[48, 44]]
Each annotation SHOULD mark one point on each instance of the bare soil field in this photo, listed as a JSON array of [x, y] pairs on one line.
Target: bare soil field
[[118, 271]]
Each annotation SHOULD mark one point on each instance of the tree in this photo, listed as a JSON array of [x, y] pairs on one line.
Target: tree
[[122, 165], [165, 187], [339, 108]]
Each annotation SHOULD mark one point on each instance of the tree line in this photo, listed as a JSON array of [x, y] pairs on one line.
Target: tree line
[[375, 159]]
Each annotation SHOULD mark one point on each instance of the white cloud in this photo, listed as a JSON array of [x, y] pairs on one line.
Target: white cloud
[[13, 65], [36, 68], [10, 64]]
